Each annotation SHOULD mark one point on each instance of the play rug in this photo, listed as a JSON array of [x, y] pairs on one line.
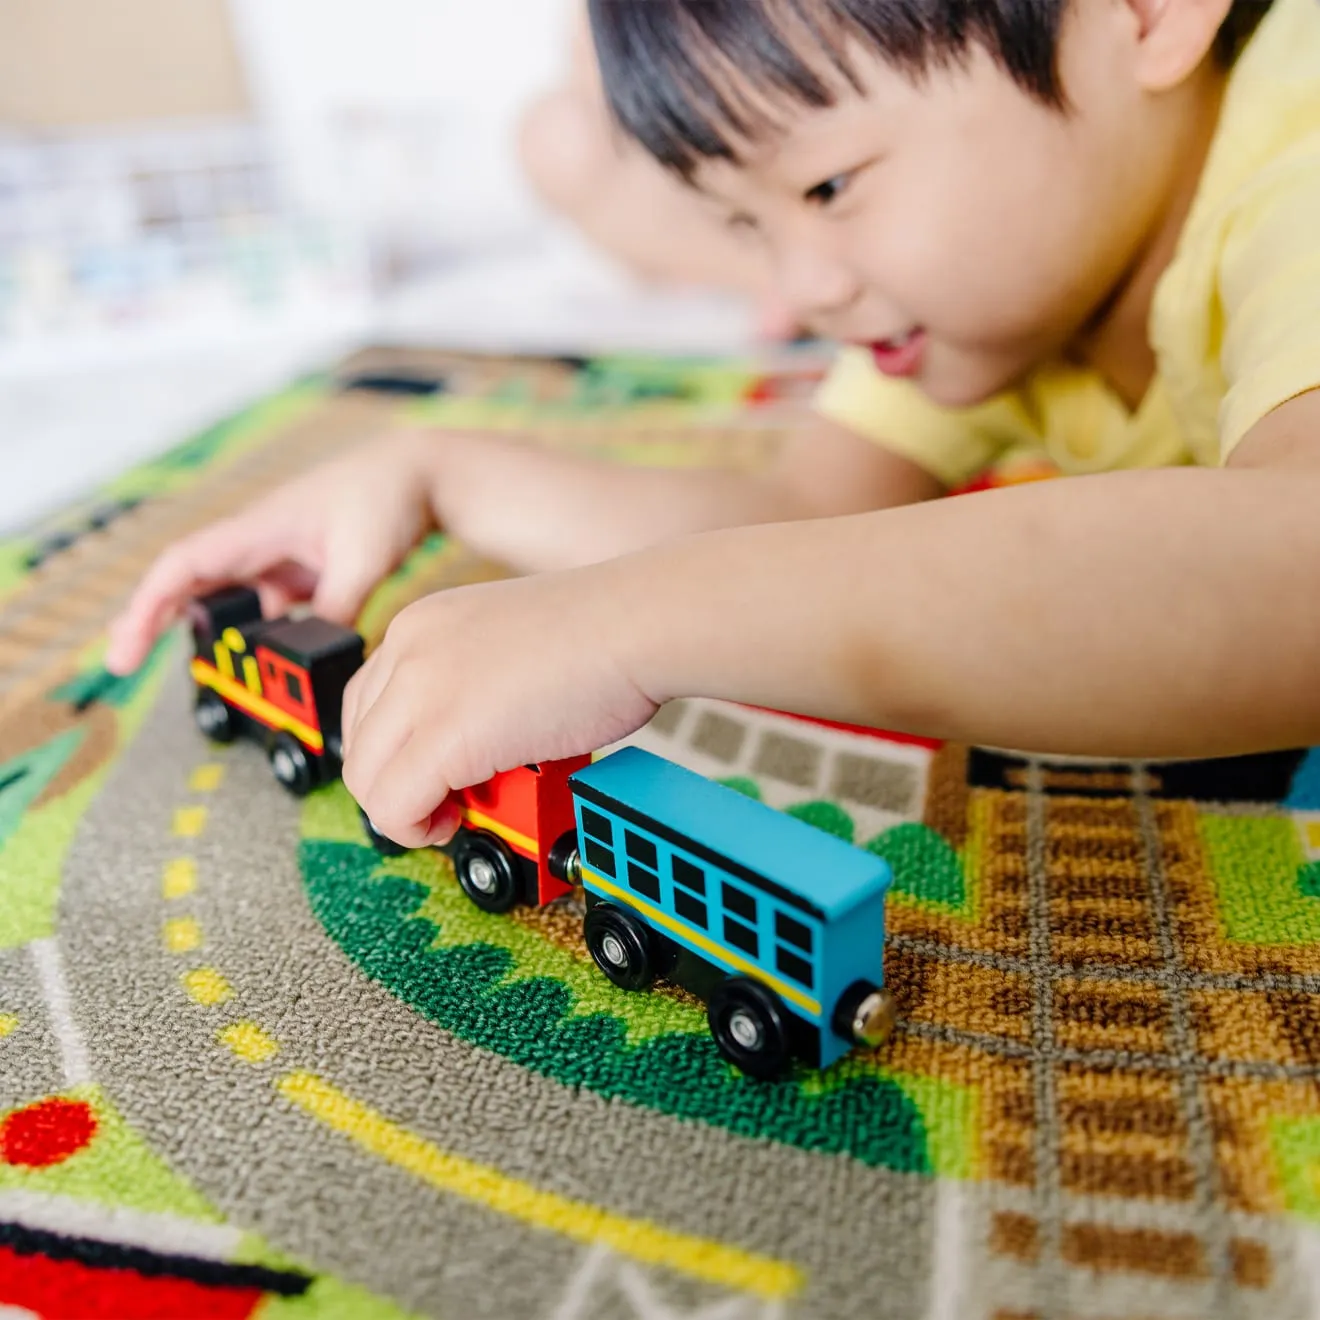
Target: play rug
[[249, 1068]]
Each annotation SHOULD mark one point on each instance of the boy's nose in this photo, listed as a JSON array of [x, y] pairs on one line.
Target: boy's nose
[[815, 285]]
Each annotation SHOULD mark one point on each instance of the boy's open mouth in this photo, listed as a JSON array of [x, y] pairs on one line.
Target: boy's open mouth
[[899, 355]]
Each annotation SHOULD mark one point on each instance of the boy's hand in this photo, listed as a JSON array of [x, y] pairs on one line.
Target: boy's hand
[[480, 679], [328, 536]]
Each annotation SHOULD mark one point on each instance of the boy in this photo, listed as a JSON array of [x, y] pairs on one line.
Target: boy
[[997, 201]]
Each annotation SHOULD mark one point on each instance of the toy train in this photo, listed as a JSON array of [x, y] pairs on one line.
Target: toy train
[[778, 926], [279, 681]]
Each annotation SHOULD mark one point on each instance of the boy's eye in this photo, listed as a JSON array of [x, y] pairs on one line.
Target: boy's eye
[[828, 191]]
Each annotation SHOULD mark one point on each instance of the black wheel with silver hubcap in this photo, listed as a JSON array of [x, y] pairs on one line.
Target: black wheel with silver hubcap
[[214, 718], [486, 869], [622, 946], [291, 765], [748, 1022]]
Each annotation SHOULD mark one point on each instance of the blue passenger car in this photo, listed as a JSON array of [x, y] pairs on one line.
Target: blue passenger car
[[777, 925]]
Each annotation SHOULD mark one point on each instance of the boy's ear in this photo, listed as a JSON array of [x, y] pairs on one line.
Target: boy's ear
[[1173, 37]]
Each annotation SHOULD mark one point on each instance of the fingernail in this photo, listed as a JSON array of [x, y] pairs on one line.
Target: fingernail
[[445, 820]]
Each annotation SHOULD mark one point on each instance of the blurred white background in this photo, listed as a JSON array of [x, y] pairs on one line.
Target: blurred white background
[[201, 198]]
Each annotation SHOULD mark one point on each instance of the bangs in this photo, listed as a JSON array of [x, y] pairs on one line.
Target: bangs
[[695, 80]]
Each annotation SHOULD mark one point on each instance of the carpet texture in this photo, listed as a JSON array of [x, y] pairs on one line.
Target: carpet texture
[[248, 1067]]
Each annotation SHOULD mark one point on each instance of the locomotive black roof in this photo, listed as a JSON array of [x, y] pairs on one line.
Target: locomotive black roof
[[305, 641]]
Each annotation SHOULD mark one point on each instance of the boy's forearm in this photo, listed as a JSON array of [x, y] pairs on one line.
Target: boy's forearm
[[1139, 614], [536, 509]]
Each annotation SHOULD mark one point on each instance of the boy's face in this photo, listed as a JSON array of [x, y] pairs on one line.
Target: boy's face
[[958, 227]]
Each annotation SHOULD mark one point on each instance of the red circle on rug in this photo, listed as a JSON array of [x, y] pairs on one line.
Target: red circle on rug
[[46, 1133]]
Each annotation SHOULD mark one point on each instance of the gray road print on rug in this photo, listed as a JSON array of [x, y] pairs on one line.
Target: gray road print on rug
[[32, 1060], [197, 1009]]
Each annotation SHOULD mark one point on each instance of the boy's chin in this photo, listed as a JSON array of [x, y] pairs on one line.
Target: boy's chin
[[953, 381]]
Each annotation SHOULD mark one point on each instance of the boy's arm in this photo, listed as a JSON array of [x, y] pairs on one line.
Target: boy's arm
[[1133, 614], [537, 509]]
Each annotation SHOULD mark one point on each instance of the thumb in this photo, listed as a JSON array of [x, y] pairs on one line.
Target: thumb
[[343, 590]]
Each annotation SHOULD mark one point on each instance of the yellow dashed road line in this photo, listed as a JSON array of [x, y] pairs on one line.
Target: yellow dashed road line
[[189, 822], [249, 1042], [206, 986], [206, 778], [180, 878], [182, 934], [639, 1239]]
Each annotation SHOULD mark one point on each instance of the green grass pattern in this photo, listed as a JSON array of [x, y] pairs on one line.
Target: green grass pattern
[[516, 996]]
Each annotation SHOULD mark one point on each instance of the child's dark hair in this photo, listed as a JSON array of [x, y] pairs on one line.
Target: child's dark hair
[[672, 68]]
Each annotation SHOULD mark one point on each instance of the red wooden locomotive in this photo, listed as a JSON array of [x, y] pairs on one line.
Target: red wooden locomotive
[[279, 681]]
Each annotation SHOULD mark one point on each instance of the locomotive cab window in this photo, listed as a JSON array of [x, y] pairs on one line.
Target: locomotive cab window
[[294, 686]]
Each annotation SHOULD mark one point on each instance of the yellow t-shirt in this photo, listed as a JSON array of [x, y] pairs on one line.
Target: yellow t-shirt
[[1235, 321]]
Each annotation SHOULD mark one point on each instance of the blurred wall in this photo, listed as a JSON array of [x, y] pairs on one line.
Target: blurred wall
[[172, 162], [401, 113], [74, 63]]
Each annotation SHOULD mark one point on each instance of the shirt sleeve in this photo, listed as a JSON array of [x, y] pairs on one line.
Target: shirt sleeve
[[1269, 286], [952, 444]]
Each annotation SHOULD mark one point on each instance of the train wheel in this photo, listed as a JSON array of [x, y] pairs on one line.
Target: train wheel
[[621, 946], [747, 1021], [291, 765], [486, 870], [563, 862], [385, 846], [866, 1015], [214, 718]]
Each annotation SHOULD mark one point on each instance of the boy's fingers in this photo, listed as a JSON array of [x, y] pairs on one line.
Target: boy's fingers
[[284, 585], [344, 588], [154, 603], [414, 785], [231, 550], [361, 693], [444, 824], [275, 599], [379, 739]]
